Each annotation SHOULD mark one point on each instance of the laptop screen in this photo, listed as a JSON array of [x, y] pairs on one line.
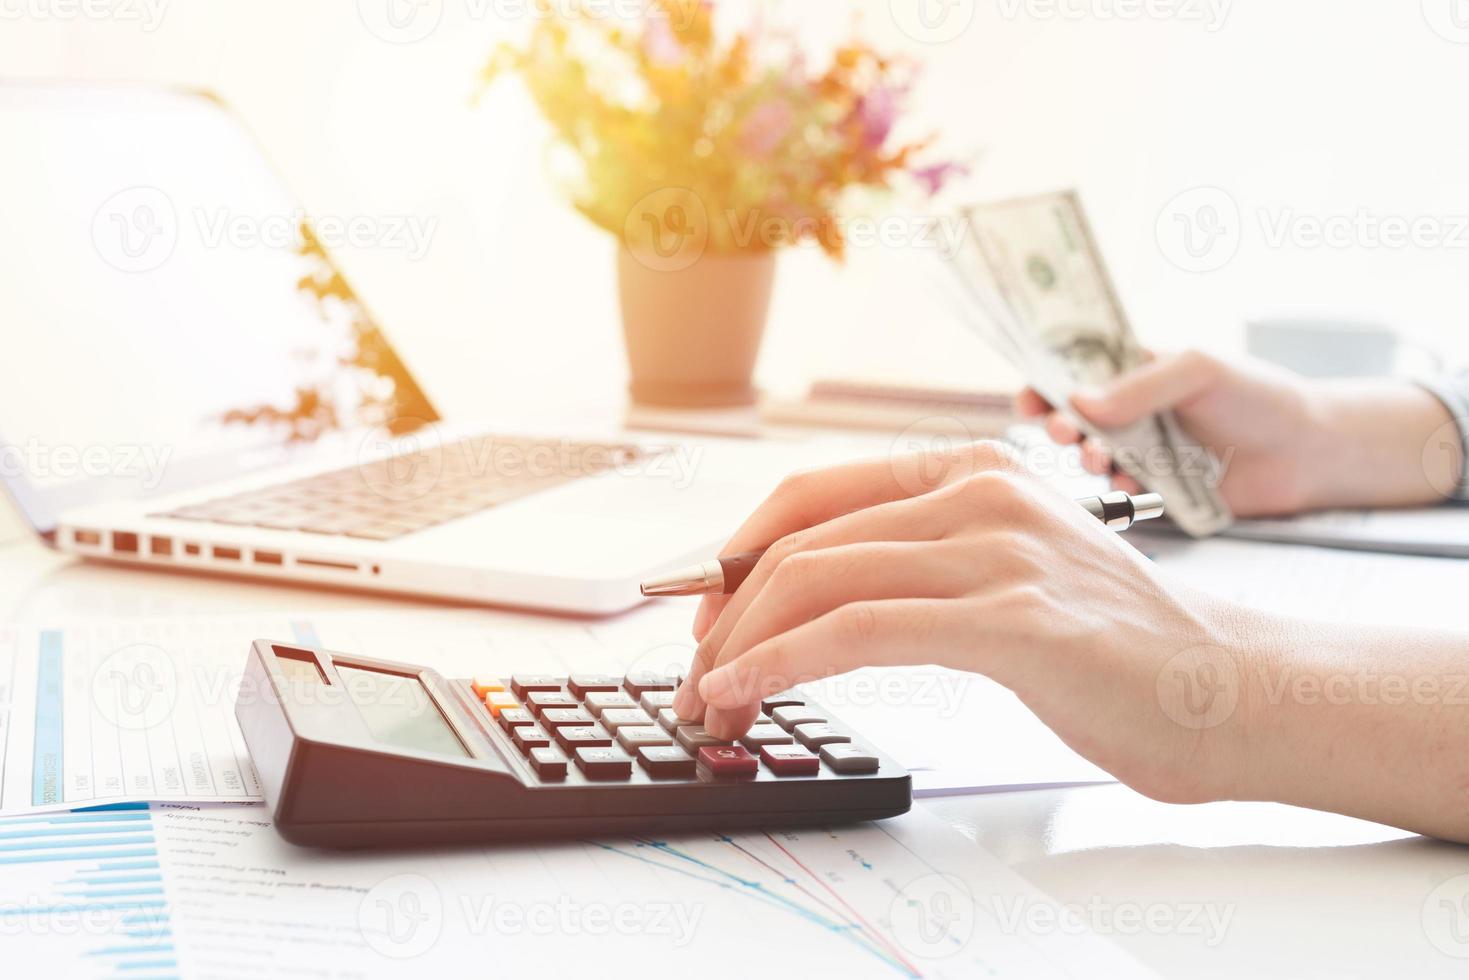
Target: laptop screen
[[171, 315]]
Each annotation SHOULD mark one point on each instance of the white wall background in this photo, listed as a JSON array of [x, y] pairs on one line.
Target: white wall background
[[1321, 108]]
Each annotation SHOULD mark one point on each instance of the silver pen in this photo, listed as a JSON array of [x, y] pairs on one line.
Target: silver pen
[[721, 576]]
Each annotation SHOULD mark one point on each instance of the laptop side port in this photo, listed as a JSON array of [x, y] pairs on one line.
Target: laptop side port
[[88, 539], [324, 563], [225, 554], [124, 543], [160, 547], [269, 558]]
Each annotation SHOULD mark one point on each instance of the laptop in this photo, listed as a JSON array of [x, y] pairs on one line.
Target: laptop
[[188, 382]]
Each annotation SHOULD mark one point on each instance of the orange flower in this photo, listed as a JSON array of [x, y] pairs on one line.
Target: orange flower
[[742, 126]]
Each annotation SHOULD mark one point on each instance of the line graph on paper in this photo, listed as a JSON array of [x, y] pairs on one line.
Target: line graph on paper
[[858, 888], [905, 898]]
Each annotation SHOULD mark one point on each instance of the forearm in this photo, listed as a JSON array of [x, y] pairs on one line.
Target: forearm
[[1380, 444], [1372, 723]]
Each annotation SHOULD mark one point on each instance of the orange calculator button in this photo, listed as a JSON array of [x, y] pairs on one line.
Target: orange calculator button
[[498, 701], [487, 685]]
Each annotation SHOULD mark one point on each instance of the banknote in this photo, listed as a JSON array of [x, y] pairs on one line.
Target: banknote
[[1032, 268]]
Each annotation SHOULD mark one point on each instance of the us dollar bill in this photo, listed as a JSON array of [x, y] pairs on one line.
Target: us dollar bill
[[1032, 268]]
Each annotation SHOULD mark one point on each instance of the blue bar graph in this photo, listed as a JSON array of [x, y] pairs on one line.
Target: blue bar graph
[[46, 770], [70, 831], [99, 863]]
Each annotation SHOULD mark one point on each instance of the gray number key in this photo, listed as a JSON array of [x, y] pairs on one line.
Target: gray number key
[[765, 735], [669, 721], [813, 736], [599, 701], [655, 701], [603, 763], [796, 714], [847, 758], [634, 737], [615, 718], [695, 737]]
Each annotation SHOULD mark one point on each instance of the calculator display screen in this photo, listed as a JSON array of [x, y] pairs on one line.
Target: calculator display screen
[[399, 711]]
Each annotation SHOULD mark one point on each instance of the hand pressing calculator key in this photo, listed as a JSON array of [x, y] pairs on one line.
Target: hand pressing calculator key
[[353, 751]]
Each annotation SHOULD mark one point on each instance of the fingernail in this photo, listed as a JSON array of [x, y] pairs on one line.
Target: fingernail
[[716, 685], [686, 702]]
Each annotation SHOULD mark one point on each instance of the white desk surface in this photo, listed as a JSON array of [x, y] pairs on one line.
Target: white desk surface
[[1301, 894]]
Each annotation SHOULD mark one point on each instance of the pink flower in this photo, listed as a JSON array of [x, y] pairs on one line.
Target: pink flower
[[660, 45], [934, 177], [876, 113], [766, 127]]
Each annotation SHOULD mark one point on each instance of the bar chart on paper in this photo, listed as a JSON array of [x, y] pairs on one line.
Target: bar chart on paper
[[108, 713], [83, 895]]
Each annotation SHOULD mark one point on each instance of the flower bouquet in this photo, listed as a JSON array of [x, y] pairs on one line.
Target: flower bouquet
[[704, 155]]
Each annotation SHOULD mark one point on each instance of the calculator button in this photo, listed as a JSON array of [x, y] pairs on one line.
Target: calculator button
[[572, 739], [512, 717], [615, 718], [498, 701], [669, 721], [484, 684], [599, 701], [696, 737], [603, 763], [583, 684], [792, 715], [728, 761], [849, 758], [634, 737], [655, 701], [789, 760], [666, 761], [557, 717], [548, 763], [528, 737], [640, 681], [539, 701], [787, 700], [524, 684], [815, 735], [765, 735]]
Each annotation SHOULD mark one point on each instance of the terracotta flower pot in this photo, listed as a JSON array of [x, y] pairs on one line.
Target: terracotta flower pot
[[693, 332]]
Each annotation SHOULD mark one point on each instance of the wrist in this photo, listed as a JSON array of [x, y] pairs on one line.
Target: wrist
[[1243, 748], [1318, 463], [1363, 444]]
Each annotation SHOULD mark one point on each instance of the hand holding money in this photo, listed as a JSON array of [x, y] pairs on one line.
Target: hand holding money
[[1033, 284], [1290, 445]]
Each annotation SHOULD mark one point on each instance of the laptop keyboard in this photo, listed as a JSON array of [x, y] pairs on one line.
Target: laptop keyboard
[[386, 499]]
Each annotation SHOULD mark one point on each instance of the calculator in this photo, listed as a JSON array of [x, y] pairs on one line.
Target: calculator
[[353, 751]]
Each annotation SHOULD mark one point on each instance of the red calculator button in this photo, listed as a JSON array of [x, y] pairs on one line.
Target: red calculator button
[[789, 760], [728, 761]]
